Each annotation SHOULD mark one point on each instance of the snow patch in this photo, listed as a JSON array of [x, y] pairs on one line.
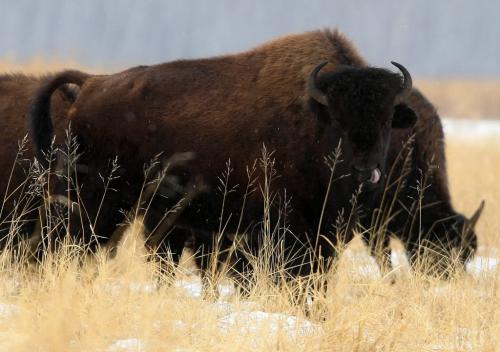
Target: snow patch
[[257, 322], [8, 310], [194, 288], [480, 265], [467, 129], [127, 345], [222, 308], [143, 287], [367, 267], [190, 288]]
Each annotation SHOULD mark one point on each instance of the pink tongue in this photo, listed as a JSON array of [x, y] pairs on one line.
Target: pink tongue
[[375, 175]]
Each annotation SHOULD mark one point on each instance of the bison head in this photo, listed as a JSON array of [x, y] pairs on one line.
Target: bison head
[[363, 104], [446, 246]]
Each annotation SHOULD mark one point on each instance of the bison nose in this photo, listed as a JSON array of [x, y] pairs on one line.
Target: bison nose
[[367, 174]]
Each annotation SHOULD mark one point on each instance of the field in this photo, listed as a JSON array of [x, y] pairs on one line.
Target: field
[[118, 305], [470, 98]]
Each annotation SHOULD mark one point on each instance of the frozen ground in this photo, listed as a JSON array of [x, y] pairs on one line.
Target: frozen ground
[[247, 317]]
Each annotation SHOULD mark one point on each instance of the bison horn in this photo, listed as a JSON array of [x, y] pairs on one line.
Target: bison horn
[[474, 219], [313, 91], [407, 83]]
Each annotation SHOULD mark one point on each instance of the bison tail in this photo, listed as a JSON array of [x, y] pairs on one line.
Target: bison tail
[[41, 127]]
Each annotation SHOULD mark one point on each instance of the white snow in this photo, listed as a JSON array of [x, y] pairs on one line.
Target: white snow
[[190, 288], [222, 308], [128, 345], [194, 288], [481, 265], [367, 266], [8, 309], [469, 130], [251, 322], [143, 287]]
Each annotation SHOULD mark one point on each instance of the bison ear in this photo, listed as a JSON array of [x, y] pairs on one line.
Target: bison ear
[[404, 116]]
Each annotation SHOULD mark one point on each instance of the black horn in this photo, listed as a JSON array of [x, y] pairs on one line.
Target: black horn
[[407, 83], [475, 218], [313, 91]]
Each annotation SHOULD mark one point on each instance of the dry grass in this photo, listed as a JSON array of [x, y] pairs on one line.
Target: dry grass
[[116, 304]]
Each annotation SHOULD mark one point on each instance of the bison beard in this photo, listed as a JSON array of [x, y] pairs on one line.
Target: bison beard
[[227, 108]]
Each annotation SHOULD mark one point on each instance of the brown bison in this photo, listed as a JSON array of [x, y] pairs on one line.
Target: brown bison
[[19, 201], [301, 97]]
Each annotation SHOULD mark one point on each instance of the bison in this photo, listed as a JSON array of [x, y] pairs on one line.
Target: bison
[[20, 200], [418, 202], [300, 98]]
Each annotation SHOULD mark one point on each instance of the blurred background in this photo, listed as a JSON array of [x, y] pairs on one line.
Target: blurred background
[[452, 47]]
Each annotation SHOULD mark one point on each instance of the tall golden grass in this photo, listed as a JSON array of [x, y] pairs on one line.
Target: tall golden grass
[[76, 302]]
